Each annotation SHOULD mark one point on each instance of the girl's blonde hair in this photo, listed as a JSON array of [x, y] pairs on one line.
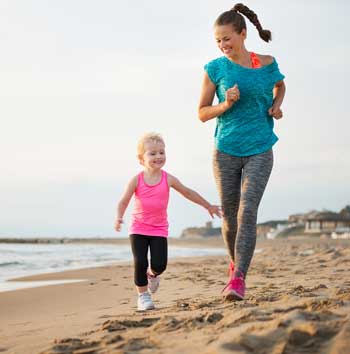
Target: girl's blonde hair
[[156, 137]]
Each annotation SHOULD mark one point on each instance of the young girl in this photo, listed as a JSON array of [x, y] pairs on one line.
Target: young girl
[[250, 89], [149, 224]]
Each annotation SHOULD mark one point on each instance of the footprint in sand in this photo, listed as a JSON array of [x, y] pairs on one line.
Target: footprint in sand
[[70, 345], [296, 332], [117, 325], [111, 339], [137, 344]]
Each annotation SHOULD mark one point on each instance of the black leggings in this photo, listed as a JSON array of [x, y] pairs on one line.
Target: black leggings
[[159, 256]]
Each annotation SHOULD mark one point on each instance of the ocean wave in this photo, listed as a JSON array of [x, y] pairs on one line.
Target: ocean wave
[[23, 260], [8, 264]]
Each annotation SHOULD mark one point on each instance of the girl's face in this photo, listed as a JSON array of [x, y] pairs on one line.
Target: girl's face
[[154, 156], [228, 40]]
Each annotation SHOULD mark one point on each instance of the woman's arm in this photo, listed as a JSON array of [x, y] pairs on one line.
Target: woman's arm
[[279, 90], [278, 93], [193, 196], [206, 110], [124, 202]]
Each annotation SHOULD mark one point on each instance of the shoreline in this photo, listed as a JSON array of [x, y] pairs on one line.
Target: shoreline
[[119, 241], [125, 240], [27, 277], [198, 242], [22, 279], [298, 296]]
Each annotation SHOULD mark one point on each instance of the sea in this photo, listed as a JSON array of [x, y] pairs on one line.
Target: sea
[[18, 260]]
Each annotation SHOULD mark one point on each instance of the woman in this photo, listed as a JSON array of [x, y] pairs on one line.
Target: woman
[[250, 90]]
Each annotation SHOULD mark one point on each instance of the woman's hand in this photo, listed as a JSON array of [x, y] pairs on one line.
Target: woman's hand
[[275, 112], [232, 95], [206, 110]]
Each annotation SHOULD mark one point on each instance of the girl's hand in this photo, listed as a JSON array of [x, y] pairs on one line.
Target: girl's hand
[[214, 210], [232, 95], [275, 112], [118, 224]]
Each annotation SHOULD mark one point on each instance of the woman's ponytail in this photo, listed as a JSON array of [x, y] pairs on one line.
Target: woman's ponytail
[[253, 18]]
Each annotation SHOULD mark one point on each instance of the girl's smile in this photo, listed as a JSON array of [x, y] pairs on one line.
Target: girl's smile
[[154, 156]]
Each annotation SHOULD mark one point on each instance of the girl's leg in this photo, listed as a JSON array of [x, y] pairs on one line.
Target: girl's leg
[[227, 173], [159, 254], [256, 173], [139, 246]]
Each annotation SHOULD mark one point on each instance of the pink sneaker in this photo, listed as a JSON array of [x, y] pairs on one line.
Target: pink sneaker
[[231, 270], [234, 289]]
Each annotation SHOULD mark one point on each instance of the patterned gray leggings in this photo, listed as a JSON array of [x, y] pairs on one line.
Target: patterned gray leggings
[[241, 182]]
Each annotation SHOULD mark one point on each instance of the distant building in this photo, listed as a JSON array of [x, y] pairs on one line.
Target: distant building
[[327, 221], [298, 219], [209, 231], [265, 229], [313, 222]]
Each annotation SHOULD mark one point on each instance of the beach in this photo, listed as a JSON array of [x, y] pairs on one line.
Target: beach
[[298, 301]]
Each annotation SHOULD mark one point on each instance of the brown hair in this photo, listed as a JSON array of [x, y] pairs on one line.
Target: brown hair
[[235, 18]]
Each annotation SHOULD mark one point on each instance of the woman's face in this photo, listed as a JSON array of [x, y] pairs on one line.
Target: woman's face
[[228, 40]]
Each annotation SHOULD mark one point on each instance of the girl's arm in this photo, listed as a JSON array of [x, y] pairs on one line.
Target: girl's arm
[[206, 110], [193, 196], [278, 93], [124, 202]]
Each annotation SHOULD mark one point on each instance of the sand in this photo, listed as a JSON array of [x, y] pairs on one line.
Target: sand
[[298, 301]]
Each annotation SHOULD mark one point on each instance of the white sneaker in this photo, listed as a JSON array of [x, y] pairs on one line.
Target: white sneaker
[[144, 302], [153, 283]]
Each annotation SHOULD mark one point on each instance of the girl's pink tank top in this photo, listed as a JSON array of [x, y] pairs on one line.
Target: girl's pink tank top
[[149, 216]]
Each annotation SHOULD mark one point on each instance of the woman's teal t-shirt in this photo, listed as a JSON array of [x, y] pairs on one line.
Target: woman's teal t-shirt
[[246, 128]]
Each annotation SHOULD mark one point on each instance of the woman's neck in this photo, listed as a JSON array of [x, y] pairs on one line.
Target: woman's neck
[[241, 57]]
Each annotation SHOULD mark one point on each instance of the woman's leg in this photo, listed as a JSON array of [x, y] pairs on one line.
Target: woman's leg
[[139, 246], [256, 173], [159, 254], [227, 172]]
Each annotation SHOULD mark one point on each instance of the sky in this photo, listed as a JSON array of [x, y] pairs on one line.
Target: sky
[[81, 80]]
